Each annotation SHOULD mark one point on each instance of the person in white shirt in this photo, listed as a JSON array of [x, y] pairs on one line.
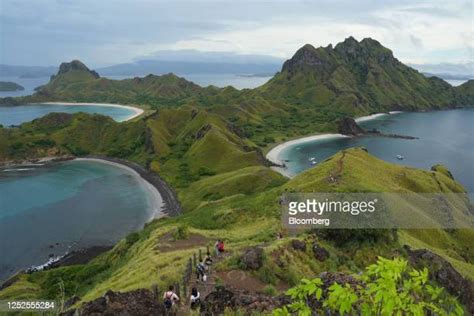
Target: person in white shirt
[[195, 298]]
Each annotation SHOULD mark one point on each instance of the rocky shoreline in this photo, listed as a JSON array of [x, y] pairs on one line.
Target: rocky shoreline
[[172, 207], [348, 126]]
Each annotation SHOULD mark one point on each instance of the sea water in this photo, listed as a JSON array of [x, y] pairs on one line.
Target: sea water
[[444, 137], [47, 211]]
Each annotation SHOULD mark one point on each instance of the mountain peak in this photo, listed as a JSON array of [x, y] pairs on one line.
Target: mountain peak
[[76, 65]]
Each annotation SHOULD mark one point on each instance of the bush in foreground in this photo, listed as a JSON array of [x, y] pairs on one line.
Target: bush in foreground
[[388, 287]]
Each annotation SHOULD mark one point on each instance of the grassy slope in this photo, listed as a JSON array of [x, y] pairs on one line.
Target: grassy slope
[[207, 150], [217, 207]]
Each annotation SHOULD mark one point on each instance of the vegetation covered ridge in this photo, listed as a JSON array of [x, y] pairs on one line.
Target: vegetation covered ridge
[[207, 143], [215, 205]]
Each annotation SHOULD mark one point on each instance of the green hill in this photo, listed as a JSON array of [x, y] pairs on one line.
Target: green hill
[[357, 77], [207, 144], [10, 86], [242, 206]]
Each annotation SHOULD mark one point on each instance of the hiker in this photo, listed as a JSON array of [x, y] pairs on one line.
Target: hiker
[[200, 270], [170, 299], [220, 246], [195, 298], [208, 262]]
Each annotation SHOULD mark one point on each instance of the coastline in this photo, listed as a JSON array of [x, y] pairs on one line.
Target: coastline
[[163, 200], [137, 111], [154, 196], [170, 203], [274, 153]]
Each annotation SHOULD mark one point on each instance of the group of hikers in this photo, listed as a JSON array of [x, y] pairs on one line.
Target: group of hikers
[[203, 268]]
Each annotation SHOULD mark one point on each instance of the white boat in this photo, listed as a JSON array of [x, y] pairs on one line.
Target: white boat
[[400, 157], [312, 159], [314, 162]]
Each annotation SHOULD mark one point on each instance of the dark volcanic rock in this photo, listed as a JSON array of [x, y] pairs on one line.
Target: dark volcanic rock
[[320, 253], [202, 131], [252, 259], [138, 302], [298, 244], [227, 298], [443, 273], [71, 301], [348, 126]]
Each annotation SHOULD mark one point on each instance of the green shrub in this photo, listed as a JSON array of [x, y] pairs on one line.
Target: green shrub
[[132, 238], [204, 171], [181, 232], [267, 275], [270, 290], [390, 288]]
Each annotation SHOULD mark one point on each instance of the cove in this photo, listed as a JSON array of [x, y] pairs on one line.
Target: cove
[[445, 137], [16, 115], [50, 210]]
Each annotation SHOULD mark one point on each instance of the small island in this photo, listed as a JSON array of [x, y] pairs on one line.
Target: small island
[[7, 86]]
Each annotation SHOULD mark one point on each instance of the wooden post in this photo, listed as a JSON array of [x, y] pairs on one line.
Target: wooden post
[[207, 250], [154, 289], [200, 255], [194, 259], [184, 288], [177, 289]]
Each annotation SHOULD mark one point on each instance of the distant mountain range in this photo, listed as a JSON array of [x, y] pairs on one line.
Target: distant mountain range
[[352, 78], [26, 71], [145, 67], [183, 62], [447, 70]]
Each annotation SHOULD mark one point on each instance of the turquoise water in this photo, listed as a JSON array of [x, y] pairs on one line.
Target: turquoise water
[[445, 137], [49, 210], [15, 115]]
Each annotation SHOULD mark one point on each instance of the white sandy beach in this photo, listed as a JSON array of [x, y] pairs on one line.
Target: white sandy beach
[[274, 154], [137, 111], [155, 200], [369, 117]]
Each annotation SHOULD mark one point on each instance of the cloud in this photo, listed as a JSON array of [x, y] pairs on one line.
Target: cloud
[[104, 32]]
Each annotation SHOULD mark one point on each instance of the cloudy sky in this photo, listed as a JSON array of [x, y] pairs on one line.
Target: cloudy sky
[[104, 32]]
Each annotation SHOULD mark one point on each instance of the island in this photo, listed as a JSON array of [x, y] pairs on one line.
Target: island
[[8, 86]]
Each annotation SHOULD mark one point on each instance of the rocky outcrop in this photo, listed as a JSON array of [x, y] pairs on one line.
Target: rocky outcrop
[[138, 302], [320, 253], [75, 65], [252, 259], [443, 273], [228, 298], [298, 245], [202, 131], [348, 126]]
